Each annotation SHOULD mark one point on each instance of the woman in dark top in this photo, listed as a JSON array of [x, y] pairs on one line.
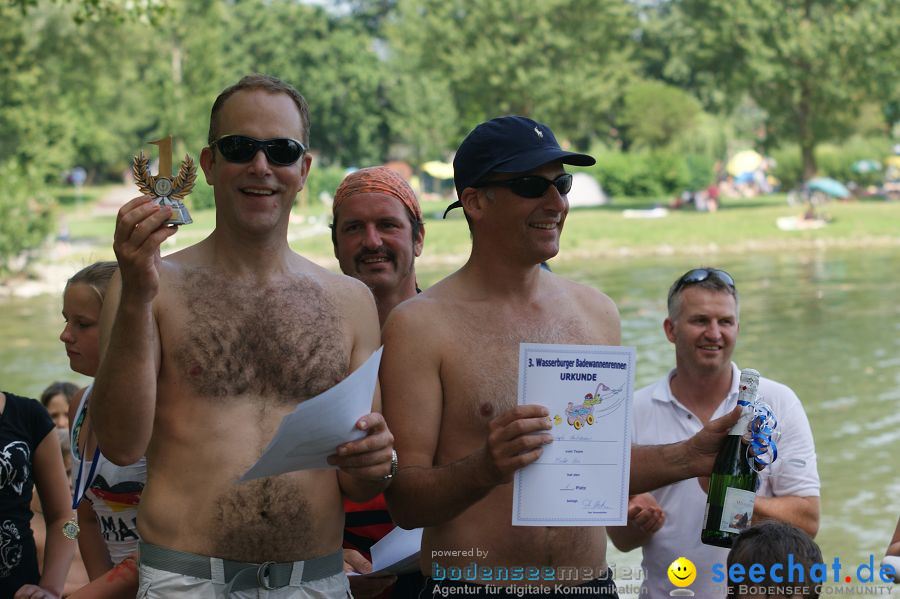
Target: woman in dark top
[[30, 456]]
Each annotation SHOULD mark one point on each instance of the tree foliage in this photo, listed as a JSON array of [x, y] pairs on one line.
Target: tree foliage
[[25, 214], [90, 82], [559, 61], [808, 63], [656, 114]]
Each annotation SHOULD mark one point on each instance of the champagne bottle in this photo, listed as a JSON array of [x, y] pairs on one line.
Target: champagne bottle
[[732, 486]]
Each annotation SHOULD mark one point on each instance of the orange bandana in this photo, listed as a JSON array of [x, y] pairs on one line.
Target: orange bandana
[[378, 179]]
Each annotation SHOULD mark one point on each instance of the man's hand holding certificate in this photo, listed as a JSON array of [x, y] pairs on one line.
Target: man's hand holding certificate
[[581, 478]]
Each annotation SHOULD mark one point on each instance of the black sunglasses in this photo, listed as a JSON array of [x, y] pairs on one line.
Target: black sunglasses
[[533, 186], [698, 275], [241, 149]]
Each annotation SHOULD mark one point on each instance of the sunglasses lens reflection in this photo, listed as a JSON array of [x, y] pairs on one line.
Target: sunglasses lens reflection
[[283, 151], [236, 148], [241, 149], [535, 187], [698, 275]]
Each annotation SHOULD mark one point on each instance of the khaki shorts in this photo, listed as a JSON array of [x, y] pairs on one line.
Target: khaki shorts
[[159, 584]]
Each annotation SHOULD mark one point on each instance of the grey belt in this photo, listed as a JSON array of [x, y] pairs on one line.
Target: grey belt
[[240, 576]]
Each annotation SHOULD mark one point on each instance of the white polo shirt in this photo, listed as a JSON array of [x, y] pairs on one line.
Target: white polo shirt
[[660, 418]]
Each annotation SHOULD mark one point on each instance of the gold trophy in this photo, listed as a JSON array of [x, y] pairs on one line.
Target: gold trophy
[[168, 191]]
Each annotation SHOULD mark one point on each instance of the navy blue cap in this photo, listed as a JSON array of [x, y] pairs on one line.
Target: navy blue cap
[[507, 144]]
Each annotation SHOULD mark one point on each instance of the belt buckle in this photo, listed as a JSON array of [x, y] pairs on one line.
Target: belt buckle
[[262, 576]]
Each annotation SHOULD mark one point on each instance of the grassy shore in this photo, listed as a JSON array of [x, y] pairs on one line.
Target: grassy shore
[[739, 226]]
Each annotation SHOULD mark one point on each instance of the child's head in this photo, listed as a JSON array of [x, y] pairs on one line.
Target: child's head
[[82, 301], [56, 398], [768, 544]]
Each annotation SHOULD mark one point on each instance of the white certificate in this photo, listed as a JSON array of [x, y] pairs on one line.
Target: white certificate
[[312, 432], [581, 479], [397, 552]]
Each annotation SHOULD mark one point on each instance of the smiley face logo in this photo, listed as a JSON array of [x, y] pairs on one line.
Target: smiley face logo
[[682, 572]]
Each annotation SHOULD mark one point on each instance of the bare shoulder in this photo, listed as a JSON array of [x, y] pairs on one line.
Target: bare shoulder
[[342, 284], [428, 311], [408, 316], [174, 266], [352, 301], [593, 308], [350, 295], [589, 299]]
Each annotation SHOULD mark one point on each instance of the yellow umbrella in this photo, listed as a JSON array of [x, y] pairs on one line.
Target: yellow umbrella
[[892, 161], [438, 169], [743, 162]]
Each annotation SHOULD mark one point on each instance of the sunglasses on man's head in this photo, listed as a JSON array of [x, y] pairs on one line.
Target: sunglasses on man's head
[[533, 186], [698, 275], [241, 149]]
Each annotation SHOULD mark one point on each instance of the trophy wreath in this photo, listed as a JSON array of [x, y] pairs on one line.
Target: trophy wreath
[[166, 190]]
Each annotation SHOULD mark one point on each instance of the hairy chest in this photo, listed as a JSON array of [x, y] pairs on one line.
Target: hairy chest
[[281, 342]]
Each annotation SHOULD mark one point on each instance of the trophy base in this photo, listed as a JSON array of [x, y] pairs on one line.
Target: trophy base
[[180, 214]]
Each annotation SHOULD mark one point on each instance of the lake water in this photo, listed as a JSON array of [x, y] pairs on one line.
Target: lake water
[[826, 323]]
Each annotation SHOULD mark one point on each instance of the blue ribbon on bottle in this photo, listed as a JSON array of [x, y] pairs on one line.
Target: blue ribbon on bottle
[[762, 447]]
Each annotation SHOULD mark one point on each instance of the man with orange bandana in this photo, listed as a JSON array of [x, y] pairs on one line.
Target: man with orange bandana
[[377, 232]]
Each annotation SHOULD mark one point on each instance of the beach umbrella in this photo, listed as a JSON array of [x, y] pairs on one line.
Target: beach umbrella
[[438, 169], [866, 166], [828, 186], [743, 162]]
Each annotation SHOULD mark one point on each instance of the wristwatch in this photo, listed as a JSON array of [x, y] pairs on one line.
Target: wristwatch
[[394, 465]]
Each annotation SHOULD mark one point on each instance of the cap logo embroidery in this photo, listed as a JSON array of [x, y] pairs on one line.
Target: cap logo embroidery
[[539, 133]]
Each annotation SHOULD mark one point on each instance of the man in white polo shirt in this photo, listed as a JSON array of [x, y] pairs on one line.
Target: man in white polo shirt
[[703, 324]]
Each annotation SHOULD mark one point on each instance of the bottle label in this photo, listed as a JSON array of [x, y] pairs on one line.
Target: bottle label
[[737, 511]]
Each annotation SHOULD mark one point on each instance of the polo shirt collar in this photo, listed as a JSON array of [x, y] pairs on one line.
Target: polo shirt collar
[[662, 392]]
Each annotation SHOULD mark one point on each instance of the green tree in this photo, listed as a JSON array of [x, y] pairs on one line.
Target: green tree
[[564, 62], [96, 10], [421, 116], [65, 100], [25, 214], [330, 58], [656, 114], [809, 64]]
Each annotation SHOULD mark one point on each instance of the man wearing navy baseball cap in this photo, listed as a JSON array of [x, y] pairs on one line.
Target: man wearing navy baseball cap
[[450, 395], [509, 144]]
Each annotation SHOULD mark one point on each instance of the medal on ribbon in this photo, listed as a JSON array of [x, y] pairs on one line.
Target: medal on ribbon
[[167, 190]]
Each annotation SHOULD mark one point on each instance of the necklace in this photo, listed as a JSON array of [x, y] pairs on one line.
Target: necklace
[[71, 529]]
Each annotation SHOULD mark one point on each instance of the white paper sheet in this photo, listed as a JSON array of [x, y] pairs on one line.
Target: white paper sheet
[[312, 432], [581, 479], [397, 552]]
